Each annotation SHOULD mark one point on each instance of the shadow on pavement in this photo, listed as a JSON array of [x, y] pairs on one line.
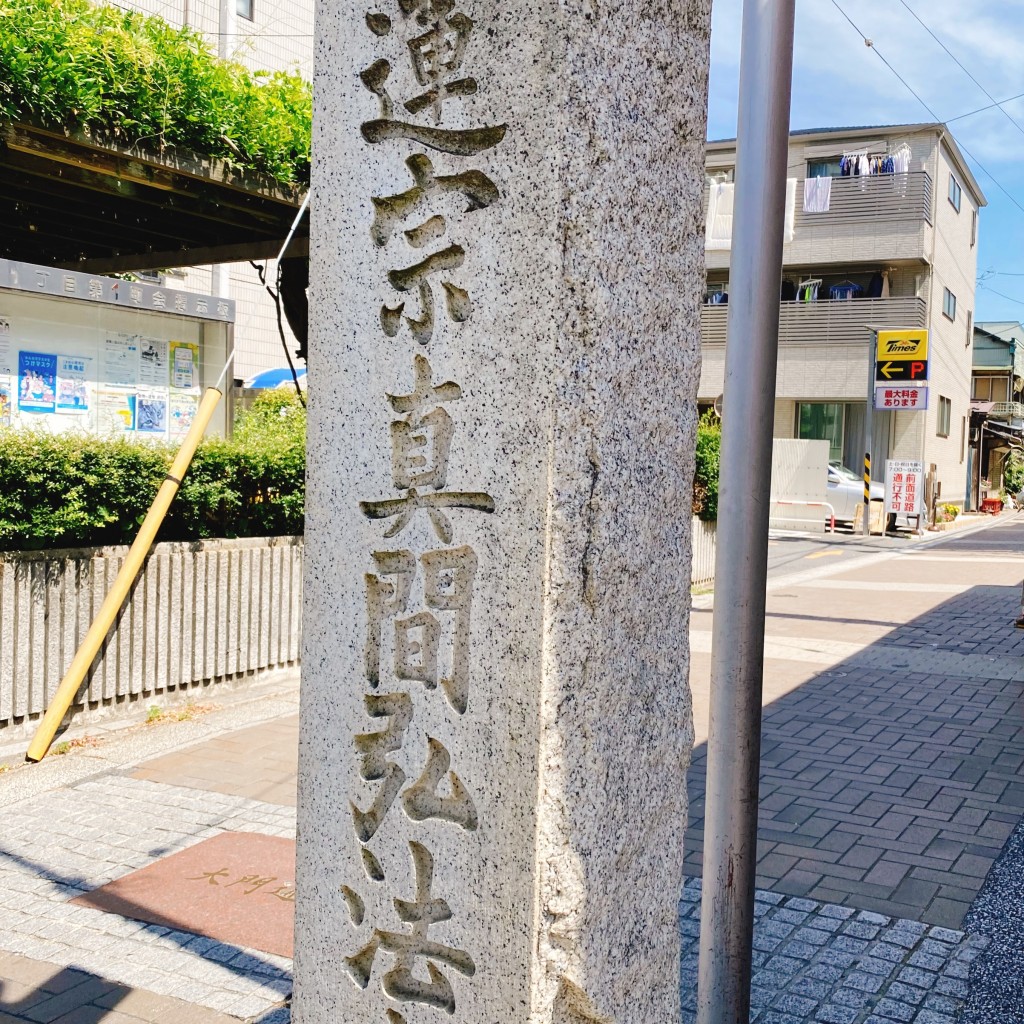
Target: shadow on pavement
[[891, 781]]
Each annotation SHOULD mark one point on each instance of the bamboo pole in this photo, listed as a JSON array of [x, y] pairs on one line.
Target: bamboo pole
[[122, 586]]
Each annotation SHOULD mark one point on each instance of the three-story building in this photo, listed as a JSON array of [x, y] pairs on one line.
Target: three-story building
[[881, 232]]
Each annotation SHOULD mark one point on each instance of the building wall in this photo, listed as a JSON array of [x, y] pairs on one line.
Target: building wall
[[954, 263]]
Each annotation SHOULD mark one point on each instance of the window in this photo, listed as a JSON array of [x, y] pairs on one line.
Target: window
[[963, 437], [990, 389], [945, 411], [949, 303], [712, 175], [823, 168], [244, 9], [974, 227], [970, 329], [822, 421], [954, 193]]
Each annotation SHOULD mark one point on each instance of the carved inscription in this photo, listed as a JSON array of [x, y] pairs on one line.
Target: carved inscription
[[419, 597], [436, 51], [408, 947]]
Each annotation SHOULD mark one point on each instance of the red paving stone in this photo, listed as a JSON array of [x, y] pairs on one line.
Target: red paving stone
[[238, 887]]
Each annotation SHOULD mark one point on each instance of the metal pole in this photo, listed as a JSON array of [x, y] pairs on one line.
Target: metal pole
[[869, 422], [741, 564]]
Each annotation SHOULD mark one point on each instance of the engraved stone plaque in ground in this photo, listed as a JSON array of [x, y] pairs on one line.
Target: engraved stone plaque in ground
[[495, 726]]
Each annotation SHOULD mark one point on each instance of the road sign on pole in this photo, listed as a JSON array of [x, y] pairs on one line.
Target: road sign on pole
[[901, 370]]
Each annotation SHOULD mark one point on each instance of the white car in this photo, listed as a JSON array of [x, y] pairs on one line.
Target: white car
[[846, 492]]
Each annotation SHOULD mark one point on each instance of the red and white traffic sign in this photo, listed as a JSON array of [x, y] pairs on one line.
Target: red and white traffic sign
[[904, 487]]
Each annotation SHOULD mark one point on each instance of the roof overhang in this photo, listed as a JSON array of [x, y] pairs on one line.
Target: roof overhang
[[76, 203]]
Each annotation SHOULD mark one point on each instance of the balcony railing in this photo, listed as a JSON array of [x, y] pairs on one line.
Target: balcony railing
[[833, 322], [875, 197], [1006, 411]]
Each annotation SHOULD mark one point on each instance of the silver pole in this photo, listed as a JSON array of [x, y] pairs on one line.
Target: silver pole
[[734, 743]]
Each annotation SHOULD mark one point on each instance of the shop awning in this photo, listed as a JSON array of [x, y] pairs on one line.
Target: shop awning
[[74, 203]]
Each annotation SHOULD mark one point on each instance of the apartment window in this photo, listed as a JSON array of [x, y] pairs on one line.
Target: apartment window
[[970, 329], [963, 437], [823, 168], [945, 412], [244, 9], [712, 175], [954, 193], [949, 303], [821, 421], [990, 389], [974, 227]]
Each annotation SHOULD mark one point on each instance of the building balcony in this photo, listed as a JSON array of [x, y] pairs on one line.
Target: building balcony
[[826, 322], [871, 219], [1007, 411], [877, 198]]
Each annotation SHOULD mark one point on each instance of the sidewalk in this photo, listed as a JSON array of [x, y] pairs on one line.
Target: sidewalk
[[893, 745], [892, 748], [98, 814]]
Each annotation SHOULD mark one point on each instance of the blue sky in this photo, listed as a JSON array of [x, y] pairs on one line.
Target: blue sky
[[838, 81]]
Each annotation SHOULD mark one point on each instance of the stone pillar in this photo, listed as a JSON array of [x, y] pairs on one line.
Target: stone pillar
[[507, 266]]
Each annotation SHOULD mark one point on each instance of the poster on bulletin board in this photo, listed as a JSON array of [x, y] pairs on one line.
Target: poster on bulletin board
[[37, 382], [6, 401], [182, 412], [120, 360], [151, 413], [116, 411], [153, 369], [73, 376], [184, 365]]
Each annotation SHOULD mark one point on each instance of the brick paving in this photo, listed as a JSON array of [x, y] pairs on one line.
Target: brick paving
[[835, 965], [259, 763], [892, 778]]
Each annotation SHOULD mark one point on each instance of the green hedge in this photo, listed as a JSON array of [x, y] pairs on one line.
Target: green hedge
[[705, 479], [59, 491], [72, 64]]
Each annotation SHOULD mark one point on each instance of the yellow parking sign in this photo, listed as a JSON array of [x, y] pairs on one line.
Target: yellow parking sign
[[902, 346]]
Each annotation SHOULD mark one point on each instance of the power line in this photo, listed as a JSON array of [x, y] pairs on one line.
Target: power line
[[935, 117], [962, 68], [981, 110], [1009, 298]]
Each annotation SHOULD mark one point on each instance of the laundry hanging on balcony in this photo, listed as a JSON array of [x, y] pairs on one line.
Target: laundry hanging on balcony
[[721, 199], [817, 195]]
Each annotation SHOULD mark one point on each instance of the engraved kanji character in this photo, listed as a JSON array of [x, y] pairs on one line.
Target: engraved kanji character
[[456, 142], [373, 747], [254, 881], [448, 575], [95, 288], [400, 983], [421, 799], [286, 893], [422, 432], [403, 509], [389, 211], [356, 906], [417, 277], [210, 876], [437, 57]]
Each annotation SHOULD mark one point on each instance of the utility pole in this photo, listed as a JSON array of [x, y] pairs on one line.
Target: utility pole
[[869, 422], [741, 564]]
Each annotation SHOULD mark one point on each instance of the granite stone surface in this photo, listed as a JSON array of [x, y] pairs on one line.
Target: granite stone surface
[[507, 262]]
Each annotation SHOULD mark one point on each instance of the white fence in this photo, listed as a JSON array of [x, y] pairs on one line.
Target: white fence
[[200, 613], [702, 569]]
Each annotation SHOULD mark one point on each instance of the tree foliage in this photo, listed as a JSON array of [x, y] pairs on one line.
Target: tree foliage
[[136, 80], [69, 490]]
